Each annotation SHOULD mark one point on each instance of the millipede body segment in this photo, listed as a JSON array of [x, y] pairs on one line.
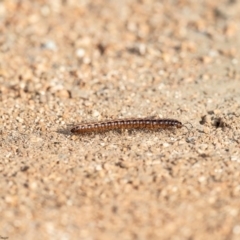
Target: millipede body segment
[[143, 123]]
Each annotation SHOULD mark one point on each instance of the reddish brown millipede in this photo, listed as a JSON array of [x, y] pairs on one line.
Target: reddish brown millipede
[[120, 124]]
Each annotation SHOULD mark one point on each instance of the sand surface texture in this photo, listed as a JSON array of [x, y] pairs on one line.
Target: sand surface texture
[[67, 62]]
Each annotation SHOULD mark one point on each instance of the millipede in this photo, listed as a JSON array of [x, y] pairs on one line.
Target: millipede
[[121, 124]]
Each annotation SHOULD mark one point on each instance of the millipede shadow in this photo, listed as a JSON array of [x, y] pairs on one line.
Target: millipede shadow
[[65, 131], [118, 132]]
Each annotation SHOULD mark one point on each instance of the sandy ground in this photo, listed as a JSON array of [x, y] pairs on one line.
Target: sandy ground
[[66, 62]]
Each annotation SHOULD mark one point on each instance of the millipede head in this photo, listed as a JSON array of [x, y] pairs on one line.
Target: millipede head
[[74, 130], [178, 124]]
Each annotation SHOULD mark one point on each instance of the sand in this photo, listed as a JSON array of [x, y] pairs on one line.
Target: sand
[[68, 62]]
